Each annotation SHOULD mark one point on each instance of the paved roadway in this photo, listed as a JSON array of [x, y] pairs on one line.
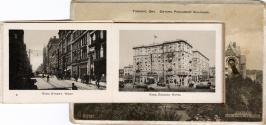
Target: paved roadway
[[173, 88], [54, 83]]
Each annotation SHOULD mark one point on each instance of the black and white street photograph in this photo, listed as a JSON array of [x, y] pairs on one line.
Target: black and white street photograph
[[167, 60], [57, 59]]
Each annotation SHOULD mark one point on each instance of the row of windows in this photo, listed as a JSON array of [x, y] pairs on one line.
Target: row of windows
[[77, 34], [87, 39], [166, 48]]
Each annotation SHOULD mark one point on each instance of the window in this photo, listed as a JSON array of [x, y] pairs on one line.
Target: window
[[94, 37], [101, 52], [101, 35]]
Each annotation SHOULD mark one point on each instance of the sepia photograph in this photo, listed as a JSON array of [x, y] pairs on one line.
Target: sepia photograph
[[167, 60], [243, 79], [57, 59], [243, 82]]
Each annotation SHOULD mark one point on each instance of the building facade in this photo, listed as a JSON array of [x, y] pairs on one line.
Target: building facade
[[82, 52], [64, 50], [53, 56], [212, 72], [200, 66], [20, 69], [168, 62], [128, 73], [121, 73], [45, 61], [235, 62], [128, 70]]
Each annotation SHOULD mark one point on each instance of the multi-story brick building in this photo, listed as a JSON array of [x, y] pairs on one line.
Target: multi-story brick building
[[45, 62], [200, 66], [53, 56], [97, 54], [212, 72], [121, 73], [168, 62], [128, 70], [20, 69], [65, 53], [128, 73], [82, 52], [142, 63]]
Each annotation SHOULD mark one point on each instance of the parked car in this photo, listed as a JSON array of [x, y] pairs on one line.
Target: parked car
[[203, 85], [161, 84], [152, 86], [138, 85], [121, 83]]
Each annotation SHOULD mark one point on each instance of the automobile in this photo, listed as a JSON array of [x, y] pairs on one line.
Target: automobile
[[152, 86], [121, 83], [203, 85], [161, 84], [145, 86]]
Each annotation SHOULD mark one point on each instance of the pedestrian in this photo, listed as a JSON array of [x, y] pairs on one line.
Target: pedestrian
[[74, 87], [98, 81], [47, 78], [76, 77], [87, 79], [83, 79], [168, 85]]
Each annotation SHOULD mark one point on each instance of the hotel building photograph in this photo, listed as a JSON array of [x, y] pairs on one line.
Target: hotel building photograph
[[167, 61]]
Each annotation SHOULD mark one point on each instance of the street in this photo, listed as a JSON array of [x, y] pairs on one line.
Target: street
[[55, 83], [155, 88]]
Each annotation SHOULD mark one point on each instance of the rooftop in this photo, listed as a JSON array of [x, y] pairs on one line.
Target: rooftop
[[201, 54], [160, 44]]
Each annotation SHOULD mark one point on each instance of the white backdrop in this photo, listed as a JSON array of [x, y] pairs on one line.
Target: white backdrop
[[34, 114]]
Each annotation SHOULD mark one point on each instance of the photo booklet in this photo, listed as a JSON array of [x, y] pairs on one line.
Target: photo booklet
[[139, 62], [112, 62]]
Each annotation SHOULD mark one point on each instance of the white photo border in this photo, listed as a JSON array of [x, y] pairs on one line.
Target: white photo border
[[185, 97], [55, 96], [112, 93]]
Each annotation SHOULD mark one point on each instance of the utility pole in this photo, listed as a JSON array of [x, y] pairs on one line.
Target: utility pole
[[29, 55]]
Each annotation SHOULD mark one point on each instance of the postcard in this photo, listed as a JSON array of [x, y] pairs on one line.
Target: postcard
[[112, 62], [171, 63], [54, 62]]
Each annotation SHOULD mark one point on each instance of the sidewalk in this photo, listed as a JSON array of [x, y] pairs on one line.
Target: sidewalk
[[57, 83], [84, 86]]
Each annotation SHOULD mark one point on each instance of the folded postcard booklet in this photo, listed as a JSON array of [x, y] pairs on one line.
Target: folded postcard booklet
[[174, 57], [113, 62], [140, 61]]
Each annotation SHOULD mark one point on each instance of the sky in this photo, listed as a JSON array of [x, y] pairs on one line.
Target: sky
[[204, 41], [36, 40]]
